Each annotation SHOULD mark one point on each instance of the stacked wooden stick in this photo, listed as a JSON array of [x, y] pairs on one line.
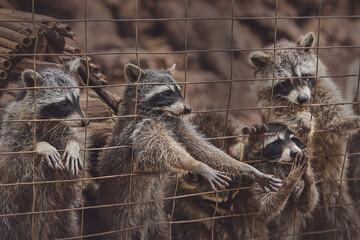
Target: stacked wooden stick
[[20, 37]]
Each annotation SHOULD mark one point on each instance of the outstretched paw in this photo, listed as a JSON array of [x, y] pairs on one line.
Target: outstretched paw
[[256, 129], [51, 155], [72, 158], [214, 177], [269, 182]]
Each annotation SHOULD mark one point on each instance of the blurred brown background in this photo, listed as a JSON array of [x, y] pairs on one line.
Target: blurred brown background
[[199, 34]]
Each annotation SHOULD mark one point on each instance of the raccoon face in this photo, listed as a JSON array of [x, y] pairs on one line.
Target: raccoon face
[[282, 145], [167, 100], [296, 91], [52, 102], [68, 108], [164, 98], [296, 69]]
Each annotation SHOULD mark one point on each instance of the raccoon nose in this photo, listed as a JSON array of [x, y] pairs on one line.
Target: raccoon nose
[[302, 99], [187, 110], [85, 123], [294, 152]]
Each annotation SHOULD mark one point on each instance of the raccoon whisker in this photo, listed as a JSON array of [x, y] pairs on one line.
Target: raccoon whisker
[[149, 113], [62, 134], [51, 129], [46, 125]]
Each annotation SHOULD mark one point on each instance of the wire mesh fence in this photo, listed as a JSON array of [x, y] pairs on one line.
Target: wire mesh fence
[[210, 42]]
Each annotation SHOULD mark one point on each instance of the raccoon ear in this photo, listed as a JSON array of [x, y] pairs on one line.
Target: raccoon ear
[[28, 77], [133, 72], [73, 65], [308, 40], [172, 69], [259, 60]]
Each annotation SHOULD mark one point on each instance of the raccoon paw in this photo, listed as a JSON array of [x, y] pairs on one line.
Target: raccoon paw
[[303, 126], [268, 182], [50, 153], [214, 177], [72, 158], [299, 166], [256, 129]]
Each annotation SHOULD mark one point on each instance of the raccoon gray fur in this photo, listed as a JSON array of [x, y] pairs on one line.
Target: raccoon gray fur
[[51, 136], [162, 142], [293, 201], [328, 146], [352, 95]]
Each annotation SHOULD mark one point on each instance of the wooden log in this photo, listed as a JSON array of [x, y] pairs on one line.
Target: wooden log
[[9, 44], [93, 81], [3, 74], [66, 28], [73, 50], [28, 63], [4, 50], [94, 69], [5, 63], [19, 27], [15, 36], [40, 30], [46, 21]]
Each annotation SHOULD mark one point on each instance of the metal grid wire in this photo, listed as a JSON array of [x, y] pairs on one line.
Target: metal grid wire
[[232, 50]]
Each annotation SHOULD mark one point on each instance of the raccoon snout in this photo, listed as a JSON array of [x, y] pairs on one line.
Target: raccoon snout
[[187, 110], [301, 99], [294, 152]]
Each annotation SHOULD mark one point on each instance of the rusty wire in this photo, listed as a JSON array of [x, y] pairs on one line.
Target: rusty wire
[[227, 110]]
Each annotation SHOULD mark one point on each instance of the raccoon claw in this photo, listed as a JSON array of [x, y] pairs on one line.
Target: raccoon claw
[[72, 163], [300, 165], [50, 153], [214, 177], [72, 160], [269, 182], [54, 160], [256, 129], [219, 179]]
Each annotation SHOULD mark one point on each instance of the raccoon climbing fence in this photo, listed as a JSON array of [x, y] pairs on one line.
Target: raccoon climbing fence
[[231, 81]]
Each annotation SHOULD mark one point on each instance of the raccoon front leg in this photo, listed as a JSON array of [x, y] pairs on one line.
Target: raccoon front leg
[[271, 204], [310, 195], [339, 119], [50, 153], [156, 148], [202, 150], [71, 157]]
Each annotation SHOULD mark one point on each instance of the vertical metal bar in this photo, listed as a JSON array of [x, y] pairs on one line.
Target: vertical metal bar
[[135, 113], [227, 106], [186, 45], [33, 225], [185, 86], [86, 114]]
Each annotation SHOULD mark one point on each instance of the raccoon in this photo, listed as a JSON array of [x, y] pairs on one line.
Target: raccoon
[[46, 164], [301, 65], [277, 210], [162, 142]]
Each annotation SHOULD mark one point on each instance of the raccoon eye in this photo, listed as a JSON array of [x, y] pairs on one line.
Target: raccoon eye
[[64, 104], [168, 93], [307, 78]]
